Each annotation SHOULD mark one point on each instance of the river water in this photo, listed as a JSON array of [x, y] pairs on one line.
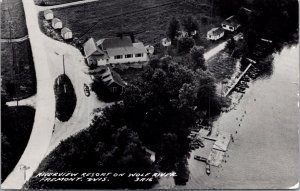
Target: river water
[[264, 154]]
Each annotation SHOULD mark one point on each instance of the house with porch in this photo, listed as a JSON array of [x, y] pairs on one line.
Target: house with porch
[[116, 50]]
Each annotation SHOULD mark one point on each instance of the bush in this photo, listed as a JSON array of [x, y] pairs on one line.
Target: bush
[[65, 98]]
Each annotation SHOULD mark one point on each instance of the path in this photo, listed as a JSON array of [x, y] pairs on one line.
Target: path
[[31, 101], [15, 40], [42, 8], [214, 50], [45, 102]]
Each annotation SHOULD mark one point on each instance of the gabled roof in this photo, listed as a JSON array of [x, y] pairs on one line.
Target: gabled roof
[[231, 21], [90, 48], [109, 77], [215, 31], [134, 49], [55, 20], [65, 30], [115, 42], [48, 11]]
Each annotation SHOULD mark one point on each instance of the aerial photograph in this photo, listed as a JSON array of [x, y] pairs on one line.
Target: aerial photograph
[[149, 94]]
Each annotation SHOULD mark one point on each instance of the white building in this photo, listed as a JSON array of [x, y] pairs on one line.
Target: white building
[[56, 23], [215, 33], [48, 14], [66, 33], [114, 51], [230, 24]]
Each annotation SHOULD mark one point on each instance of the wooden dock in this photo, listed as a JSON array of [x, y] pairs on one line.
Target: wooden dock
[[238, 80]]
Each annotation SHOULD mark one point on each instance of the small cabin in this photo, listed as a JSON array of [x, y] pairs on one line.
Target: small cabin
[[48, 14], [150, 49], [215, 33], [56, 23], [66, 33], [166, 42], [230, 24]]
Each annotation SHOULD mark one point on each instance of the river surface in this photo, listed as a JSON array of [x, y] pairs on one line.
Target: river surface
[[264, 154]]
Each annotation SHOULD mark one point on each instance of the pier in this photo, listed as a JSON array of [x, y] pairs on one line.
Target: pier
[[238, 80]]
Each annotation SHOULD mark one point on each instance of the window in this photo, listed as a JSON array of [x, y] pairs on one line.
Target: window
[[139, 55], [128, 56], [118, 56], [113, 89]]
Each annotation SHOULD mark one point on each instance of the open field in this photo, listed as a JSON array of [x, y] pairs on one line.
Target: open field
[[148, 20], [9, 70], [52, 2], [16, 126], [12, 10]]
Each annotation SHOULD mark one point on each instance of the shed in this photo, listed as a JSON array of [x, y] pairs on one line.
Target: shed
[[48, 14], [215, 33], [66, 33], [230, 24], [166, 42], [56, 23]]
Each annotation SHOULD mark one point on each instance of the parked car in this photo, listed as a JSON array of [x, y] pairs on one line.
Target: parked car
[[86, 90]]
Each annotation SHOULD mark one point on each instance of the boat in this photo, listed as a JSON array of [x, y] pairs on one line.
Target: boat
[[199, 158], [207, 169]]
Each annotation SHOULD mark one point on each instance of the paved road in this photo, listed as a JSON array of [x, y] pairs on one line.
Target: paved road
[[48, 53], [45, 105], [15, 40], [42, 8], [31, 101]]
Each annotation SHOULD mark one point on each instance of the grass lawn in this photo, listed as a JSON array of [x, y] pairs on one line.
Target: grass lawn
[[148, 20], [12, 10], [9, 70], [52, 2], [222, 66], [65, 98], [15, 132]]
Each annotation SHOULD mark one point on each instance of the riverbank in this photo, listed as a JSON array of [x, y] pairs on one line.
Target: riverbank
[[265, 152]]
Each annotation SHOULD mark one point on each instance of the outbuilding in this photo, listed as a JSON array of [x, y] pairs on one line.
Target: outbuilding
[[56, 23], [215, 33], [66, 33], [48, 14], [230, 24]]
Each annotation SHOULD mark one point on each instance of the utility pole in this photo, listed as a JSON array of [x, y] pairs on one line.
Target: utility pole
[[64, 65], [24, 168]]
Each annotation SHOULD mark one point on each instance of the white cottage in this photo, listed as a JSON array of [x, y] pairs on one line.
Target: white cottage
[[114, 51], [230, 24], [48, 14], [215, 33], [56, 23], [66, 33]]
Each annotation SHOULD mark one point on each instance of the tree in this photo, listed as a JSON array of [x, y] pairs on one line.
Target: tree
[[230, 45], [185, 44], [106, 146], [173, 29], [190, 24], [197, 56]]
